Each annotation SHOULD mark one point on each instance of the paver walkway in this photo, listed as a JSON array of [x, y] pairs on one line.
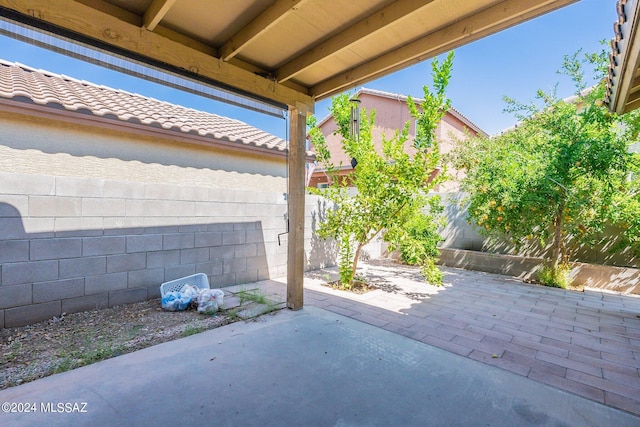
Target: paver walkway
[[586, 343]]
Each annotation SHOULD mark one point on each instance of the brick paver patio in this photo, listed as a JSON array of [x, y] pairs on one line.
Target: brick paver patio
[[586, 343]]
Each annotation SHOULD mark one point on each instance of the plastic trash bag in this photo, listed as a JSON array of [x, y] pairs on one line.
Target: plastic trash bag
[[209, 300], [176, 301], [190, 290]]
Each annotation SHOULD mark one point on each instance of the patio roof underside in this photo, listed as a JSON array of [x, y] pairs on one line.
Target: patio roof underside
[[288, 52]]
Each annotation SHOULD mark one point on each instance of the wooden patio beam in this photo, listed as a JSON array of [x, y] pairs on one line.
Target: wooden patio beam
[[367, 26], [156, 11], [98, 25], [491, 20], [267, 19]]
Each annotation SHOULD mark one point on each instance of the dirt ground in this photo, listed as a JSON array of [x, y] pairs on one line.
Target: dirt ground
[[73, 340]]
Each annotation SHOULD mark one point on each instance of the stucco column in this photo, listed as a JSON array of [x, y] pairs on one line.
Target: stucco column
[[295, 247]]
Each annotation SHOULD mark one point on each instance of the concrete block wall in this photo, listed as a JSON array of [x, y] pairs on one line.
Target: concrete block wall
[[459, 234], [605, 277], [70, 244]]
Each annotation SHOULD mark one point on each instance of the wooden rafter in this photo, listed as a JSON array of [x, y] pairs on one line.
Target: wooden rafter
[[367, 26], [498, 17], [156, 11], [274, 13], [98, 25]]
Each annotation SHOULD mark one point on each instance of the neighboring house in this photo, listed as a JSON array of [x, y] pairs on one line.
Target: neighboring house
[[391, 114], [105, 194]]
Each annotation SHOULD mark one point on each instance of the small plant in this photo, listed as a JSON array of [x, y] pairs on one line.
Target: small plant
[[192, 330], [253, 296], [233, 315], [555, 277], [75, 358]]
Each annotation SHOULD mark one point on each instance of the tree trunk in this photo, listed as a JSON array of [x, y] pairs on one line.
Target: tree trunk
[[556, 249], [355, 262]]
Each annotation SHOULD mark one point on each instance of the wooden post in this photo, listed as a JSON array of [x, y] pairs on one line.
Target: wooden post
[[295, 245]]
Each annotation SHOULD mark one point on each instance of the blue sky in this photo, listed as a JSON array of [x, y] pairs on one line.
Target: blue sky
[[515, 62]]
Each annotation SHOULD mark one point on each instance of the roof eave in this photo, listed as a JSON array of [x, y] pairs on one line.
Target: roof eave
[[51, 112], [624, 59]]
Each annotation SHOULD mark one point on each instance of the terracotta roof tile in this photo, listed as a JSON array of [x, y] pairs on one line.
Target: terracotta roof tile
[[23, 83]]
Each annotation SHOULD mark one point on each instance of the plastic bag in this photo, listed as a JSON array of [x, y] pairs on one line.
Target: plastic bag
[[209, 300], [175, 301], [190, 290]]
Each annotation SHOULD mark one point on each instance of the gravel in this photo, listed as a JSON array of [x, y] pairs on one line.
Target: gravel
[[73, 340]]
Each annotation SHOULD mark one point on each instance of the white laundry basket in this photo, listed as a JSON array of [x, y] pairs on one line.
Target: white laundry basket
[[199, 280]]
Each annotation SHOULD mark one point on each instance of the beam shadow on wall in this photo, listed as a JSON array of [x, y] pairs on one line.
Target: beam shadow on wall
[[47, 273]]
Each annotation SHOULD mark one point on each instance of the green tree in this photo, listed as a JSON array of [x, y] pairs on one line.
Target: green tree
[[561, 175], [391, 186]]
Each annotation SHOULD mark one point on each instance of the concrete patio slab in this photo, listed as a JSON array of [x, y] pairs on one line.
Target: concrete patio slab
[[305, 368]]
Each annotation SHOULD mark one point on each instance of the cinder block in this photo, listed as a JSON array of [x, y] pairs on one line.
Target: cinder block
[[55, 248], [222, 280], [105, 283], [211, 268], [178, 208], [233, 237], [85, 303], [220, 226], [193, 256], [163, 258], [78, 227], [83, 187], [160, 229], [248, 276], [14, 251], [161, 191], [15, 296], [26, 315], [178, 271], [103, 207], [55, 206], [222, 195], [208, 239], [106, 245], [144, 243], [178, 241], [245, 251], [127, 296], [221, 253], [148, 277], [234, 265], [206, 209], [13, 228], [249, 225], [14, 206], [257, 262], [255, 236], [192, 228], [57, 290], [194, 193], [14, 183], [127, 227], [126, 262], [82, 267], [29, 272], [123, 189], [143, 208], [153, 292], [263, 274]]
